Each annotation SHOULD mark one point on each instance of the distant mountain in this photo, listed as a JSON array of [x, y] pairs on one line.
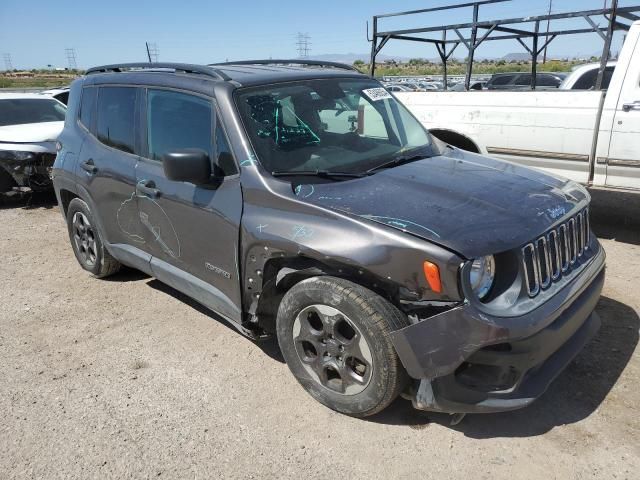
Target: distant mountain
[[349, 58], [517, 57]]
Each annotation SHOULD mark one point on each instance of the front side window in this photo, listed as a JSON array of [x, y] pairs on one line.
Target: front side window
[[19, 111], [339, 125], [548, 81], [116, 117], [176, 121]]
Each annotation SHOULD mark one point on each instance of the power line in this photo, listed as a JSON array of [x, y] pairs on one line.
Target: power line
[[153, 52], [71, 58], [303, 44], [7, 61]]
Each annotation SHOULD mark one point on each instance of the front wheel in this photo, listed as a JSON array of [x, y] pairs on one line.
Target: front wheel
[[334, 336]]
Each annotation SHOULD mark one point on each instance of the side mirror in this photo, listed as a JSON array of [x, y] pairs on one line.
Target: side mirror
[[189, 165]]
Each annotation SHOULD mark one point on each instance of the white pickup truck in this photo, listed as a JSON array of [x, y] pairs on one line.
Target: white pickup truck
[[589, 136]]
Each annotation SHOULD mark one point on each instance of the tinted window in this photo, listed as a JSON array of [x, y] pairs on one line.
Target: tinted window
[[501, 80], [116, 118], [88, 107], [588, 80], [18, 111], [176, 121], [223, 152], [548, 81], [62, 97], [523, 80]]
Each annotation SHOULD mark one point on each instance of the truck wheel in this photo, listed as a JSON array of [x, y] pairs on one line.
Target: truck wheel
[[86, 242], [334, 336]]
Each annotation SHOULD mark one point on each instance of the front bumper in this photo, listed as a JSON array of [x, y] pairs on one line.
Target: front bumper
[[33, 173], [469, 362]]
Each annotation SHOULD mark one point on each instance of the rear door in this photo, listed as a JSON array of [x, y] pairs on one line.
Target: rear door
[[623, 163], [108, 158], [191, 231]]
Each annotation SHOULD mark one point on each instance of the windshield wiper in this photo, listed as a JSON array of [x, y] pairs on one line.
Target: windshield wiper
[[316, 173], [398, 160]]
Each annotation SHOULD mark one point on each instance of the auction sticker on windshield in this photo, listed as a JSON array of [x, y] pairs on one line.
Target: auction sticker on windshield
[[376, 94]]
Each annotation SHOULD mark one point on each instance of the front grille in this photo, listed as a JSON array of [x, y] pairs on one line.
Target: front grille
[[554, 254]]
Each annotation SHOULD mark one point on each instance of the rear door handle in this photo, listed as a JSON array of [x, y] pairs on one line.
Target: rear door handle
[[89, 167], [147, 188], [627, 107]]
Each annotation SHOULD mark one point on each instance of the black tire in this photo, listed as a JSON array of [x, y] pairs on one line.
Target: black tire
[[323, 370], [86, 242]]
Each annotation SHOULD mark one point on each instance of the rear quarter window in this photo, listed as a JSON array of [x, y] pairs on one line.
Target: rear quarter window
[[88, 107]]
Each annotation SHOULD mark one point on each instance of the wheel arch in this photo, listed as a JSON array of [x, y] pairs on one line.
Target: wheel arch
[[280, 274], [456, 139], [65, 199]]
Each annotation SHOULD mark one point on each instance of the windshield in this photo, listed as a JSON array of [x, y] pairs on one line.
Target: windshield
[[331, 125], [17, 111]]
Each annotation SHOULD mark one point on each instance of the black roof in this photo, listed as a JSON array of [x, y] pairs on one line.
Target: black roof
[[243, 73]]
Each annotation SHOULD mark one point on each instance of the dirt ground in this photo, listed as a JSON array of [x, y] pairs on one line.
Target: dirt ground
[[126, 378]]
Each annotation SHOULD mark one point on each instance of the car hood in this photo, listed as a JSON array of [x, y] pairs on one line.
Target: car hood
[[31, 132], [468, 203]]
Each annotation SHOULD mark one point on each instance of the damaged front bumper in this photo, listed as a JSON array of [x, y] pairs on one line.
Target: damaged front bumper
[[30, 170], [466, 361]]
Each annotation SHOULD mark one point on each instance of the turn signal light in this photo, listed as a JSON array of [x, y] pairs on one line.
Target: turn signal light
[[432, 274]]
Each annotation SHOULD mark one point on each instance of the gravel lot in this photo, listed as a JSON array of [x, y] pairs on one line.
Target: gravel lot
[[127, 378]]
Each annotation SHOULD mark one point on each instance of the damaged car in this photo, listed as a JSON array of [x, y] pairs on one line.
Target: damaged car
[[300, 200], [29, 127]]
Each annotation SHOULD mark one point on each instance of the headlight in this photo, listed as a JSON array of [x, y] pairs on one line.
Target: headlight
[[482, 275]]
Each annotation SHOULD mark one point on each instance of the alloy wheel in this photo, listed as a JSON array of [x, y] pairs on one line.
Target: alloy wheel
[[85, 239], [332, 349]]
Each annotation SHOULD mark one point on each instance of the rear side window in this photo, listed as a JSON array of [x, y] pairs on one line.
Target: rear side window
[[176, 121], [88, 107], [116, 117], [588, 80]]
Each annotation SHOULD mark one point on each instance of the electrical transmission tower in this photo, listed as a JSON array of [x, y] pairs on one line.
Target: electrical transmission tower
[[303, 44], [7, 61], [153, 53], [71, 58]]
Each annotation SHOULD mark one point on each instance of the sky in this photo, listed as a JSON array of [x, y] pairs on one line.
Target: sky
[[36, 32]]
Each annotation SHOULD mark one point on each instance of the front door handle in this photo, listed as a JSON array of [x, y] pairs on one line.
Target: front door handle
[[627, 107], [147, 188], [89, 167]]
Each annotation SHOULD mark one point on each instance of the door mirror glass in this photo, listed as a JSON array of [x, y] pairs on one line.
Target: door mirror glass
[[188, 165]]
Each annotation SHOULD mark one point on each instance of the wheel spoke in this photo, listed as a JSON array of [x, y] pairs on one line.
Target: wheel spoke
[[332, 349]]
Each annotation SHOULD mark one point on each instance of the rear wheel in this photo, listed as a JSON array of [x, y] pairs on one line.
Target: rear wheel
[[334, 335], [86, 242]]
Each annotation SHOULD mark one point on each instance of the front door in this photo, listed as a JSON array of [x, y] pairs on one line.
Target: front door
[[623, 163], [191, 231]]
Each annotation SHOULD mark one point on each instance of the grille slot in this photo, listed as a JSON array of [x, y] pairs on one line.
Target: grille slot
[[550, 256]]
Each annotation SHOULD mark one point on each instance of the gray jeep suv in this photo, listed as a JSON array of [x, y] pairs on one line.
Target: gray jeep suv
[[300, 199]]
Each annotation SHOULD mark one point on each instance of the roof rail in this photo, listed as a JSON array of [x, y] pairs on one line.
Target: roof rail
[[177, 67], [315, 63]]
